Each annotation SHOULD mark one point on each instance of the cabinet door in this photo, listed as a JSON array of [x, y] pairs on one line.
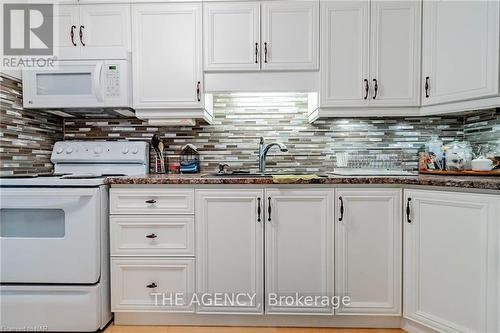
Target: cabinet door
[[232, 36], [368, 250], [166, 43], [451, 260], [66, 40], [105, 31], [299, 253], [460, 50], [344, 53], [395, 53], [290, 35], [229, 247]]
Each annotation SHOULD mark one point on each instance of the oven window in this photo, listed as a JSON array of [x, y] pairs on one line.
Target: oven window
[[64, 83], [34, 223]]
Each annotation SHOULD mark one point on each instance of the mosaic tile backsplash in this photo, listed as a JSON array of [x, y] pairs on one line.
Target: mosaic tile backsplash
[[240, 121], [26, 137]]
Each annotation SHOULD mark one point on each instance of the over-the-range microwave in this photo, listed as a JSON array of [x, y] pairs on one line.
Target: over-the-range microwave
[[78, 84]]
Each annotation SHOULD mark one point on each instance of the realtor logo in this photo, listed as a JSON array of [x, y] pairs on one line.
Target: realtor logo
[[28, 29]]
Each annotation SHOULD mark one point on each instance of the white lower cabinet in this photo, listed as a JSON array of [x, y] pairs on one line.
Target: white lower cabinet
[[229, 247], [230, 244], [299, 254], [451, 260], [143, 284], [368, 240]]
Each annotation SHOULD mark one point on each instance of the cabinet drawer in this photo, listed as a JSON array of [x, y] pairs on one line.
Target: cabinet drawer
[[151, 201], [135, 281], [152, 235]]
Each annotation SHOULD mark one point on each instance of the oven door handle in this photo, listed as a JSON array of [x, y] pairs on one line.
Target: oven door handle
[[97, 81]]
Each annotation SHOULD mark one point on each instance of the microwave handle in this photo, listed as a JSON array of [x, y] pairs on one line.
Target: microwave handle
[[97, 81]]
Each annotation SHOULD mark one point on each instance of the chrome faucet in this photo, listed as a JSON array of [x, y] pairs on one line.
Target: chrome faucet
[[263, 152]]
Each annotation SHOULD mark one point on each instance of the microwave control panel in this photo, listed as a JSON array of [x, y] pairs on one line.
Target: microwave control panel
[[112, 77]]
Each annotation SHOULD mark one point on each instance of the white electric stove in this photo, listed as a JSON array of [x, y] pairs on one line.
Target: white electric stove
[[54, 238]]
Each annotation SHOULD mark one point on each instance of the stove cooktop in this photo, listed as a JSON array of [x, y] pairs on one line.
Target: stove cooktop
[[55, 180]]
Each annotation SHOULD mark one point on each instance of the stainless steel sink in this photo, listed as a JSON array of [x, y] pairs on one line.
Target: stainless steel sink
[[369, 172], [255, 175]]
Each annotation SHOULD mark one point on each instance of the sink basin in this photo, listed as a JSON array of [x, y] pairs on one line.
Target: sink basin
[[254, 175], [369, 172]]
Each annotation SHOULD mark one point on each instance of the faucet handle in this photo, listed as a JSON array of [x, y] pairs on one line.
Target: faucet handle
[[222, 167], [261, 140]]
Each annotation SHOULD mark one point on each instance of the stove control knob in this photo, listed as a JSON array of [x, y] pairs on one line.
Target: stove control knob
[[69, 150], [135, 150], [98, 150], [59, 150], [125, 150]]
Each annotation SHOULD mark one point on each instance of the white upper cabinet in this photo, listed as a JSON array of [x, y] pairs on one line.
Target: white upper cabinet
[[98, 31], [66, 24], [290, 35], [460, 50], [268, 35], [105, 31], [299, 253], [232, 36], [451, 260], [370, 53], [395, 53], [368, 250], [230, 228], [344, 55], [167, 61]]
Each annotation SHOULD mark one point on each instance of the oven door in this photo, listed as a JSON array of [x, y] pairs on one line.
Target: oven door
[[50, 235]]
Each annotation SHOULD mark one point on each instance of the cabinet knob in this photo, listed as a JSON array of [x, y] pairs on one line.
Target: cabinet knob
[[151, 201], [151, 236], [151, 285], [198, 91]]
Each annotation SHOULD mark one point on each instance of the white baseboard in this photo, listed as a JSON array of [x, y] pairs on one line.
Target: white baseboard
[[158, 318]]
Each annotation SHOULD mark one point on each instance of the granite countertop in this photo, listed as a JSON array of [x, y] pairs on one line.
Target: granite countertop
[[484, 183]]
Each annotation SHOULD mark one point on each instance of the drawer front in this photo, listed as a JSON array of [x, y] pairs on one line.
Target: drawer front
[[152, 235], [151, 201], [135, 282]]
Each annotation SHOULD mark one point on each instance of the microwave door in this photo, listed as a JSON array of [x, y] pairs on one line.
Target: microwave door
[[70, 85]]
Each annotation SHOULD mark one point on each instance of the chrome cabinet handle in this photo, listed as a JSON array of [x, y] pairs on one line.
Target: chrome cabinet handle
[[72, 34], [152, 285], [81, 34], [256, 53], [258, 210], [198, 90], [269, 209], [341, 209], [375, 88], [427, 87], [408, 210], [151, 236], [151, 201], [265, 52], [367, 88]]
